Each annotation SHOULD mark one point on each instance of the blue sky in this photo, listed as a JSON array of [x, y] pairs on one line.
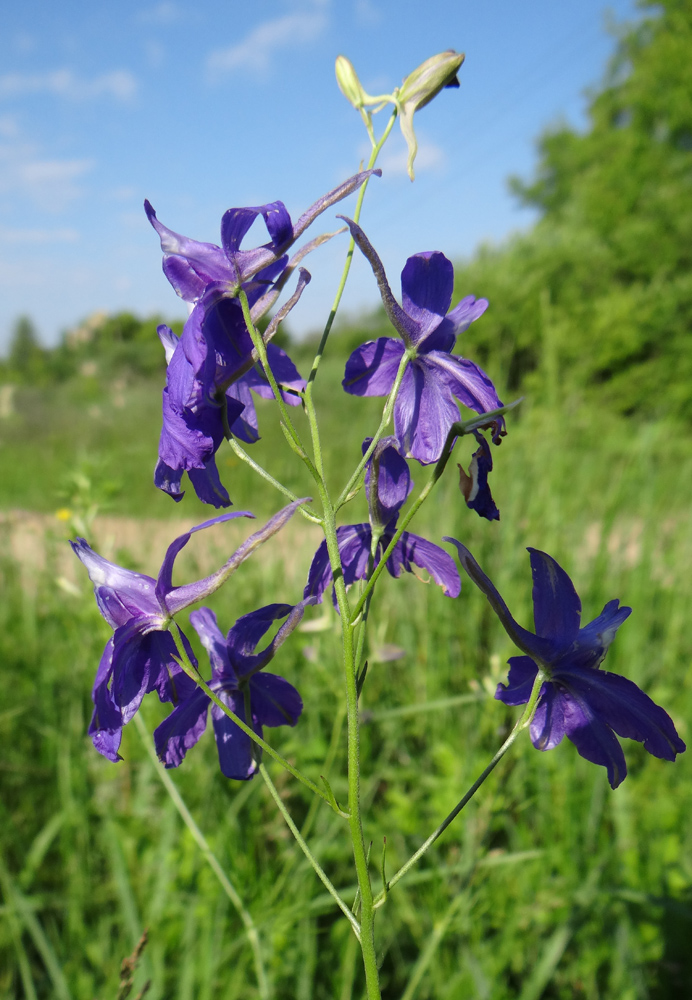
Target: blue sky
[[207, 105]]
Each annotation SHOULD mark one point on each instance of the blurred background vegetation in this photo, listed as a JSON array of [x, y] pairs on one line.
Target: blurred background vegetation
[[550, 885]]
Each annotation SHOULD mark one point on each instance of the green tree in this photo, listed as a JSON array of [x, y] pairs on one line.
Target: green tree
[[599, 292]]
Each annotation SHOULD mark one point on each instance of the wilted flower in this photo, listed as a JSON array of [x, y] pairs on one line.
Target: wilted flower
[[240, 682], [425, 408], [474, 483], [142, 656], [588, 705], [388, 484]]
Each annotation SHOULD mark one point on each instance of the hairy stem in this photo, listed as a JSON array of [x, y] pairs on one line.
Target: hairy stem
[[307, 852], [522, 723]]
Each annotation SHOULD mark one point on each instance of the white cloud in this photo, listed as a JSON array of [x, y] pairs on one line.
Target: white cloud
[[254, 53], [49, 184], [37, 237], [119, 84], [395, 158], [162, 13], [367, 13]]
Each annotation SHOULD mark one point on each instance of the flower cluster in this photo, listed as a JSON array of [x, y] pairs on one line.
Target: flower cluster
[[212, 370], [388, 484], [213, 366]]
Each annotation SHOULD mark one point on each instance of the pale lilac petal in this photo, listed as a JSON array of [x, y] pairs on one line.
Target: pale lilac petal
[[556, 605], [245, 425], [285, 373], [411, 550], [423, 413], [274, 701], [474, 484], [427, 282], [120, 592], [193, 265], [371, 369], [522, 674], [465, 380], [597, 636], [465, 313], [168, 339]]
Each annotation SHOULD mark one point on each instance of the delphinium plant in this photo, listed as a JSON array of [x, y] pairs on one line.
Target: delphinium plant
[[213, 368]]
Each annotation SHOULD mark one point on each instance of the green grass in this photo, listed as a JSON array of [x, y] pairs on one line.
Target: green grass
[[549, 885]]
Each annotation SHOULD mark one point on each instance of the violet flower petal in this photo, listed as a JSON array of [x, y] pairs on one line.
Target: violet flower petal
[[274, 701], [233, 745], [522, 674], [106, 723], [371, 369], [474, 484], [411, 550], [622, 706], [548, 725], [556, 605], [204, 622], [427, 282], [424, 412], [182, 729]]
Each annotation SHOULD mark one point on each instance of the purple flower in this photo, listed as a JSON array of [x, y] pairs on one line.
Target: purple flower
[[240, 682], [191, 266], [425, 407], [197, 415], [193, 429], [141, 656], [388, 484], [588, 705]]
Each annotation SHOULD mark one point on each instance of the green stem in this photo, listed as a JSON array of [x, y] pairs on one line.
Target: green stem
[[349, 258], [244, 457], [386, 417], [455, 431], [261, 348], [209, 857], [522, 723], [194, 674], [307, 852]]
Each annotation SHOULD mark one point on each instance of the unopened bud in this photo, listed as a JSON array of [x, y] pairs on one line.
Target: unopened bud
[[349, 84], [426, 82], [419, 88]]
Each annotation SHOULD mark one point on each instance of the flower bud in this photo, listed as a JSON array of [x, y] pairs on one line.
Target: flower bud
[[426, 82], [419, 88], [349, 84]]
